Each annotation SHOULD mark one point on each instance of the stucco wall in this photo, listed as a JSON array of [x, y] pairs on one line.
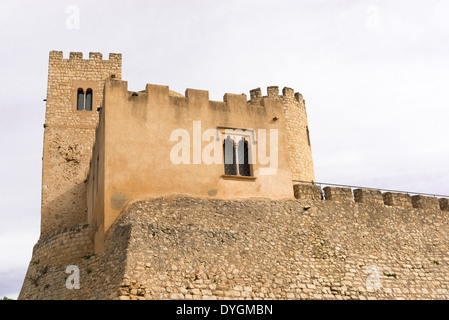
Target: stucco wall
[[137, 137]]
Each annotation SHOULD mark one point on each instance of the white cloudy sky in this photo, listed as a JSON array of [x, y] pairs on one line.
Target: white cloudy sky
[[374, 74]]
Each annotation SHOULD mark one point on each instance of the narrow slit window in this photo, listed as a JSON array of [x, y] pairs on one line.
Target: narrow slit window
[[308, 136], [80, 100], [88, 100]]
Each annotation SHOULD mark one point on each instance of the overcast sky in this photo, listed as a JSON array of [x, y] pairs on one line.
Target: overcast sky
[[374, 74]]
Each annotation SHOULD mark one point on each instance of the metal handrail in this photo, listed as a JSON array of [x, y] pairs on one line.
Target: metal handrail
[[368, 188]]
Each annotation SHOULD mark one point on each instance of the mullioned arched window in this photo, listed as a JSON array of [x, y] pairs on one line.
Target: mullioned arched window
[[88, 105], [80, 100], [84, 101], [233, 152]]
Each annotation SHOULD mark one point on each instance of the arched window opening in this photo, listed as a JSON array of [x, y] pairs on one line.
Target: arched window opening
[[244, 168], [229, 157], [237, 156], [88, 100], [80, 100]]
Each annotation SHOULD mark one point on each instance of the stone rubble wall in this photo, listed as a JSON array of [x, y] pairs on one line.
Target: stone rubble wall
[[202, 249], [187, 248], [100, 275], [68, 245]]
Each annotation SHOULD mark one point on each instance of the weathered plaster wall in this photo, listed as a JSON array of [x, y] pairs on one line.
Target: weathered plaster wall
[[137, 137]]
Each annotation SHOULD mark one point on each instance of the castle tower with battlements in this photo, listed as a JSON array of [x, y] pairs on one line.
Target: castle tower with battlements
[[105, 146], [74, 93]]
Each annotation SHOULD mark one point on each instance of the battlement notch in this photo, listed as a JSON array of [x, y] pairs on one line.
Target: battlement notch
[[79, 56]]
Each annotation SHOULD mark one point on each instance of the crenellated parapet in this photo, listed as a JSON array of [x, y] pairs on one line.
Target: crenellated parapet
[[78, 56], [370, 196], [196, 98], [273, 93]]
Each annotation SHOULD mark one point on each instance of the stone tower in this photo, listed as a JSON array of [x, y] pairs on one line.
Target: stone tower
[[74, 93], [299, 147]]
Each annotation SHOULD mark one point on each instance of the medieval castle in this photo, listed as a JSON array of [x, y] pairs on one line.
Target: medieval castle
[[159, 195]]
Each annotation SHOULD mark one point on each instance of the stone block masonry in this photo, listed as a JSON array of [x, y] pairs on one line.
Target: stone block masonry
[[100, 275], [370, 196]]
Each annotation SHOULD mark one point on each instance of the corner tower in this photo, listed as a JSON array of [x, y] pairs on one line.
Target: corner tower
[[300, 148], [297, 129], [74, 93]]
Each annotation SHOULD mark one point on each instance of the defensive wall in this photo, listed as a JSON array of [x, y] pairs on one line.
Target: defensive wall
[[348, 246]]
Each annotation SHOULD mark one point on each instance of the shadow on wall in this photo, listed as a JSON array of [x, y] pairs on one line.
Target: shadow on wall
[[73, 200]]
